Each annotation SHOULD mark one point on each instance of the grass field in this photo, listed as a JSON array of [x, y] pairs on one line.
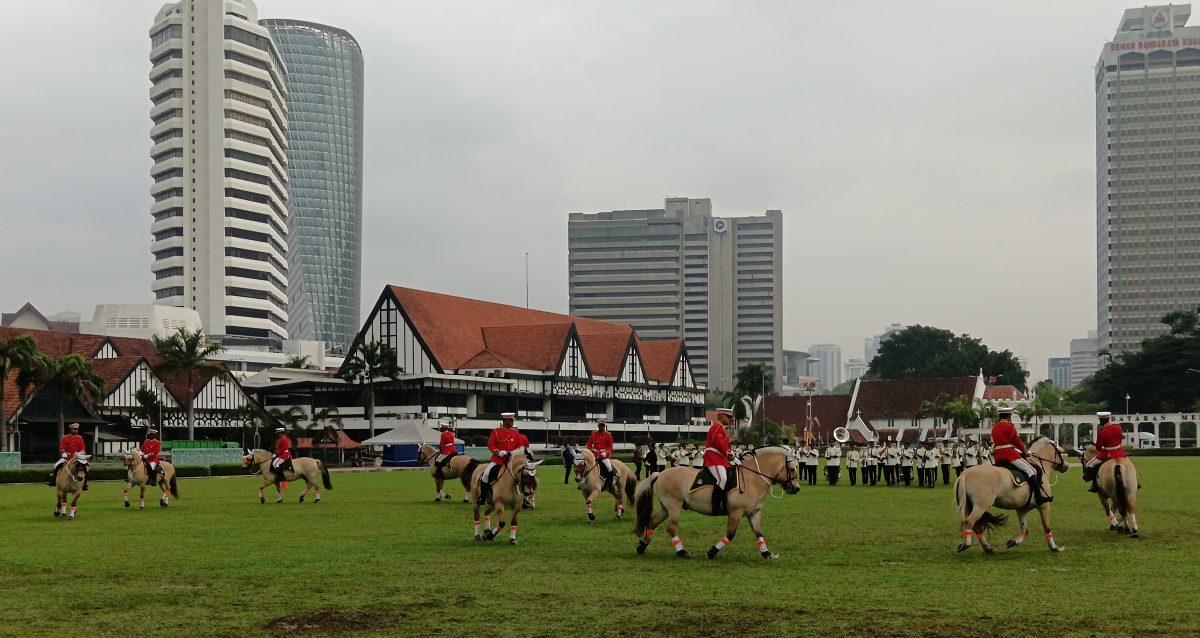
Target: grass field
[[379, 557]]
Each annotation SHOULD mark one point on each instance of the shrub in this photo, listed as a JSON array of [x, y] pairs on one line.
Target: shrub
[[226, 469]]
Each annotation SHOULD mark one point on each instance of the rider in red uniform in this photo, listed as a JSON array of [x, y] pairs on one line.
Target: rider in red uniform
[[446, 447], [600, 443], [151, 447], [503, 441], [67, 448], [282, 460], [1108, 446], [1010, 449], [716, 451]]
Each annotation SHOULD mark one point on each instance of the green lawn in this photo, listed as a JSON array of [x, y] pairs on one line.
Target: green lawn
[[379, 557]]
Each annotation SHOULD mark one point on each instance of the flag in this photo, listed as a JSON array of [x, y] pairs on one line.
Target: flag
[[809, 437], [816, 422]]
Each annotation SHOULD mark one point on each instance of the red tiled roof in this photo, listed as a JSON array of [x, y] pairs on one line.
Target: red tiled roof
[[347, 443], [114, 371], [828, 410], [1003, 393], [530, 347], [605, 352], [882, 398], [659, 358]]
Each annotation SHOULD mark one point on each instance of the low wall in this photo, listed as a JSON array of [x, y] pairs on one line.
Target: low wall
[[10, 460], [186, 457]]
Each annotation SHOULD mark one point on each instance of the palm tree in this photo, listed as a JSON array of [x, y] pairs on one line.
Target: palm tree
[[186, 351], [299, 362], [71, 378], [330, 414], [19, 354], [370, 362]]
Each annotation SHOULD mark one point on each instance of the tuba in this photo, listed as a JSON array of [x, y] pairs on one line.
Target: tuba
[[841, 435]]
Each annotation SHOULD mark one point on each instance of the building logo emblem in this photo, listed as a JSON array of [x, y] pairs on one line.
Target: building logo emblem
[[720, 225], [1158, 20]]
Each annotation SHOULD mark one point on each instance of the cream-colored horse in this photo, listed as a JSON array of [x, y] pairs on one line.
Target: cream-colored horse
[[309, 469], [138, 473], [70, 481], [983, 486], [504, 497], [459, 467], [1117, 486], [671, 491], [587, 477]]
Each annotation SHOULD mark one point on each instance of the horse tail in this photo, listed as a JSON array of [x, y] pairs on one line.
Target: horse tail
[[324, 475], [990, 521], [1121, 497], [630, 486], [644, 504], [174, 488], [467, 472]]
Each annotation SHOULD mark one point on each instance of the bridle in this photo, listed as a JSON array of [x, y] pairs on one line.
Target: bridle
[[770, 480]]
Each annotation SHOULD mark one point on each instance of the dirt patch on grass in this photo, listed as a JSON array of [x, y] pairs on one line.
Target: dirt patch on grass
[[326, 621]]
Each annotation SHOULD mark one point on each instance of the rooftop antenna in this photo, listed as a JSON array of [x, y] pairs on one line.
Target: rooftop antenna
[[527, 279]]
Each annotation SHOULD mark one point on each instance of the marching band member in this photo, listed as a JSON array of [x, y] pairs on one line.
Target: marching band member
[[943, 451], [661, 456], [971, 456], [932, 460], [959, 458], [833, 462], [67, 447], [1010, 449], [921, 455], [852, 460], [600, 443], [1108, 446], [811, 459], [891, 463], [872, 464], [151, 448], [906, 465]]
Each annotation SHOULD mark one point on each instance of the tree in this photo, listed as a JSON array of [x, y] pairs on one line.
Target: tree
[[843, 388], [924, 352], [20, 354], [935, 407], [186, 352], [149, 407], [369, 363], [1158, 377], [299, 362], [71, 378], [330, 421]]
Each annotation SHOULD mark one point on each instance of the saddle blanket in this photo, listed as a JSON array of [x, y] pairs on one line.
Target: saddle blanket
[[704, 479]]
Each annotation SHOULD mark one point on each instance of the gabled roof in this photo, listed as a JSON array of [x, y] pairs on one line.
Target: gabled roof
[[1003, 393], [605, 352], [537, 347], [902, 398], [115, 371], [659, 358]]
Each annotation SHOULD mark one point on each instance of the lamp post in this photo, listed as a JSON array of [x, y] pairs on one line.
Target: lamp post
[[1126, 404]]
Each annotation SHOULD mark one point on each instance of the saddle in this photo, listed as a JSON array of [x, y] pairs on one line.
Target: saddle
[[720, 501], [441, 465], [285, 466], [1019, 478]]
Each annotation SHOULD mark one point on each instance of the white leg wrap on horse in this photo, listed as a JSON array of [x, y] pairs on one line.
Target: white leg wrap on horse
[[477, 528], [761, 543], [512, 532], [589, 508], [722, 543], [487, 523], [676, 543]]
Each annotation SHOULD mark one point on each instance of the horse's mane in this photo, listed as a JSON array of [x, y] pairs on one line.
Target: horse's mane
[[771, 449], [1042, 441]]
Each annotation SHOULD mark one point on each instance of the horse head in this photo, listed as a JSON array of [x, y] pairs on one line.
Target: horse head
[[1046, 451], [248, 459], [791, 462]]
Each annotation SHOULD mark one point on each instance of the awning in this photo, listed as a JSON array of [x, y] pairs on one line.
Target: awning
[[410, 432]]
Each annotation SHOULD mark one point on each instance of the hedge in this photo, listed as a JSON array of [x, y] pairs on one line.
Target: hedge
[[228, 469], [1165, 451]]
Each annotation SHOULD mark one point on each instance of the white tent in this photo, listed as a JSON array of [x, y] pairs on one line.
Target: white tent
[[410, 432]]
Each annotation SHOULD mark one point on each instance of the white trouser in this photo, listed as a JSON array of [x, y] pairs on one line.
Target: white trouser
[[439, 458], [718, 472], [152, 465], [607, 465], [1024, 466], [487, 471], [60, 463], [276, 462], [1095, 462]]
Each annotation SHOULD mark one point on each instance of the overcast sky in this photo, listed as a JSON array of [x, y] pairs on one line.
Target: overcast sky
[[934, 161]]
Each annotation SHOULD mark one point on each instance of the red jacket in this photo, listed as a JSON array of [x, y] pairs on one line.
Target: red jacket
[[446, 443], [1008, 446], [1108, 442], [283, 449], [600, 444], [716, 447], [71, 444], [505, 439], [150, 450]]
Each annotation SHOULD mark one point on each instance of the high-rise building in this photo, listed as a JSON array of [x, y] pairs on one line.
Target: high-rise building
[[871, 344], [325, 153], [220, 169], [1147, 170], [1060, 372], [1085, 358], [855, 368], [828, 364], [678, 271]]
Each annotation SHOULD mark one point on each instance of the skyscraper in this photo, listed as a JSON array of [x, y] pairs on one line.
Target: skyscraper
[[1147, 171], [678, 272], [871, 344], [220, 169], [1060, 371], [1085, 358], [828, 364], [325, 152]]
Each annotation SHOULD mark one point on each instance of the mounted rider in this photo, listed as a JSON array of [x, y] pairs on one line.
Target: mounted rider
[[151, 448], [1011, 450], [503, 441], [1109, 437], [67, 448], [600, 443], [446, 447], [281, 461], [717, 459]]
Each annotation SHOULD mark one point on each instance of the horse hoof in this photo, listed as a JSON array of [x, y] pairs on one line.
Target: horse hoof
[[591, 517], [712, 552], [987, 549], [512, 541], [57, 513], [641, 548], [162, 504], [1113, 528], [478, 539], [301, 499], [279, 500], [1011, 544], [962, 547], [126, 503], [1058, 550], [466, 500], [683, 553], [1134, 535], [769, 556], [317, 500], [262, 499]]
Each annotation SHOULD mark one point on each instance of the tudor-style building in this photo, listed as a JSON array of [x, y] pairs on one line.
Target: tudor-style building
[[472, 360]]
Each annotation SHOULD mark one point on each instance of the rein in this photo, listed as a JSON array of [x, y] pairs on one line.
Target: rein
[[770, 480]]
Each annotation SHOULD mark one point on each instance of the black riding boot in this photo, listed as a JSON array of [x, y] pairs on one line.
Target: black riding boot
[[485, 490], [719, 501], [1035, 484], [1093, 488]]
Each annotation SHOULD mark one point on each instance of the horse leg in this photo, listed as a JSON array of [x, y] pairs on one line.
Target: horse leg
[[280, 488], [475, 520], [125, 493], [59, 505], [438, 482], [587, 502], [1022, 516], [731, 525], [488, 534], [165, 499], [74, 502], [1044, 511], [314, 482], [1109, 511], [673, 530], [307, 486], [512, 529], [261, 498], [655, 520], [142, 497], [759, 541]]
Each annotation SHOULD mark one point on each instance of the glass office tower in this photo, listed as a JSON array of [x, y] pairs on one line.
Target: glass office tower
[[325, 152]]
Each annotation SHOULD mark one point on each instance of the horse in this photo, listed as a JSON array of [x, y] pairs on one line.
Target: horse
[[760, 470], [505, 496], [70, 481], [1117, 485], [590, 483], [459, 467], [138, 474], [529, 483], [983, 486], [259, 462]]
